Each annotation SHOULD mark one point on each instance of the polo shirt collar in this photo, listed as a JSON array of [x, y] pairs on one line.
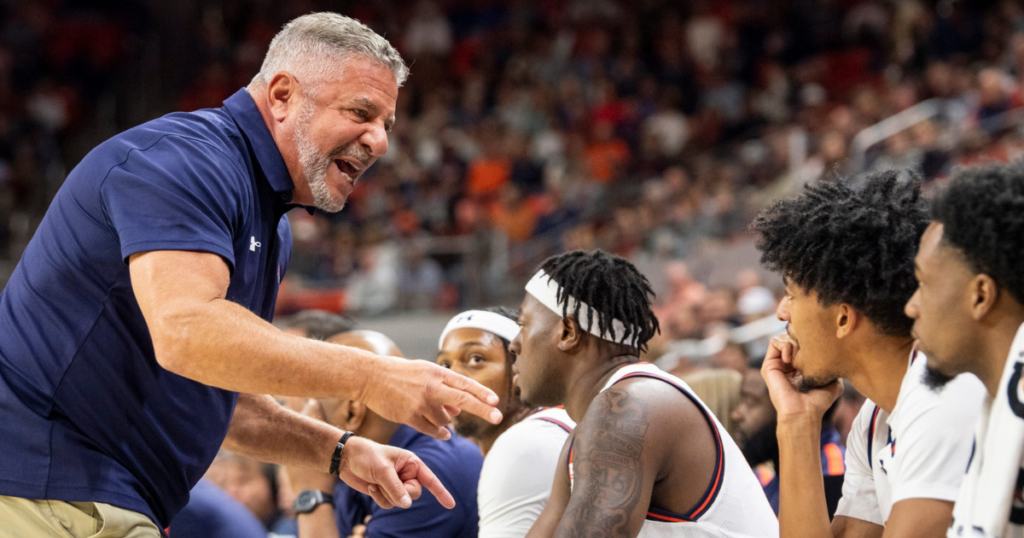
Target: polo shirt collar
[[243, 110]]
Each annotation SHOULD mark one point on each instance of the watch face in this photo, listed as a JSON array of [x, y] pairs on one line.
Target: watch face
[[306, 501]]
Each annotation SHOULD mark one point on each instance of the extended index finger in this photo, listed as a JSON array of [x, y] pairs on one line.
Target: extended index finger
[[463, 393], [429, 480]]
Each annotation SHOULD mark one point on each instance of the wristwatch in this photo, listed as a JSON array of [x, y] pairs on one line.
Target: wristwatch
[[308, 500]]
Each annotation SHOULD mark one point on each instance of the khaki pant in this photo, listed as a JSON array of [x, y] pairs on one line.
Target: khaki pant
[[27, 518]]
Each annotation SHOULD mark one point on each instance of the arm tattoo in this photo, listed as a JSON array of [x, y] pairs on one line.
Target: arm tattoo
[[608, 469]]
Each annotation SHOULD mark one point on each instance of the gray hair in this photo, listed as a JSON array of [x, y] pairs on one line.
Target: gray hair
[[309, 45]]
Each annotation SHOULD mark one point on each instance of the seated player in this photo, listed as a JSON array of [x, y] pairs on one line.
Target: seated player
[[754, 423], [212, 513], [315, 324], [647, 457], [520, 453], [847, 258], [456, 463], [969, 316]]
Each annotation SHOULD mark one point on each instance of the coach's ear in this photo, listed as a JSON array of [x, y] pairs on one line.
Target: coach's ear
[[281, 93], [572, 335]]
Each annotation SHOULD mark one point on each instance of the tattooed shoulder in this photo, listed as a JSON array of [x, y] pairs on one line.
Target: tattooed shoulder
[[609, 467]]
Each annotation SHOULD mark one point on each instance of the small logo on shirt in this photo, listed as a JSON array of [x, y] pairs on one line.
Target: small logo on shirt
[[254, 244]]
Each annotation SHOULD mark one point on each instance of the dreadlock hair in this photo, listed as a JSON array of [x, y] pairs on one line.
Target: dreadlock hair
[[613, 288], [850, 245], [982, 213]]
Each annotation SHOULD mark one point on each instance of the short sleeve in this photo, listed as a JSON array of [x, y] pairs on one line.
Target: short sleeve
[[859, 500], [516, 479], [934, 441], [178, 194]]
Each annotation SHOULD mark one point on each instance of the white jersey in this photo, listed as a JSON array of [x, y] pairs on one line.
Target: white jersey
[[516, 478], [733, 506], [961, 526], [920, 451]]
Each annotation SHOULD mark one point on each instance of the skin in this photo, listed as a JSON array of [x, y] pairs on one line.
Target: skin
[[824, 343], [357, 109], [197, 333], [963, 320], [346, 415], [480, 355], [622, 463], [754, 411]]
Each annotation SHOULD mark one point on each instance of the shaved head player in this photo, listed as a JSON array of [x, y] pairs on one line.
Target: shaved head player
[[141, 307], [647, 457]]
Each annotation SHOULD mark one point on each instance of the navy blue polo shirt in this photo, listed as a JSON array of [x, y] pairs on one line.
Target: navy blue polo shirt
[[456, 463], [87, 412]]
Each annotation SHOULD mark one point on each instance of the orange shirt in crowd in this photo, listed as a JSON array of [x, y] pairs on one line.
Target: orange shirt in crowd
[[517, 222], [604, 157], [486, 176]]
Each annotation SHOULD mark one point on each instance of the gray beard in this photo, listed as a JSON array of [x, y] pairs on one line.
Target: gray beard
[[314, 164]]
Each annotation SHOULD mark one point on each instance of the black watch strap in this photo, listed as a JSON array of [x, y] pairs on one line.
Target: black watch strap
[[336, 457]]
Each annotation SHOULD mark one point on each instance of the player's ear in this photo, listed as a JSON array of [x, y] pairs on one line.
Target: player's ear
[[983, 294], [846, 319], [571, 336], [355, 415]]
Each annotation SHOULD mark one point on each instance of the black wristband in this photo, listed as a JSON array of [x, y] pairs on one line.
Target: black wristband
[[336, 457]]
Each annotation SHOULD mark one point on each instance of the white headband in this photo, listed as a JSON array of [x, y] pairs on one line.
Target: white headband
[[485, 321], [545, 289]]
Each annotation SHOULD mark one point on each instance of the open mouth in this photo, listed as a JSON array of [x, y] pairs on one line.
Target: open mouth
[[348, 169]]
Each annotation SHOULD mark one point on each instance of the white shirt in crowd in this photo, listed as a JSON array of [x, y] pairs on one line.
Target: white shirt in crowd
[[518, 472], [920, 451]]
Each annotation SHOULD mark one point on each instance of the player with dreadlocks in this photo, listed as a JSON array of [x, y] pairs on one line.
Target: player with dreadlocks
[[647, 457], [847, 258]]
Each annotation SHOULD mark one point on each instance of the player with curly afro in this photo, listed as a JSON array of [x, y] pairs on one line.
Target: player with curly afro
[[968, 313], [846, 253]]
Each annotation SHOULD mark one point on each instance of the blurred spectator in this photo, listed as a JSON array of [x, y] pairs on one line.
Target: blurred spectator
[[421, 281], [847, 407], [513, 215], [315, 324], [612, 120], [719, 390], [755, 420]]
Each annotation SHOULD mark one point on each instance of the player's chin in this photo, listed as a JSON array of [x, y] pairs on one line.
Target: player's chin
[[467, 425], [809, 383]]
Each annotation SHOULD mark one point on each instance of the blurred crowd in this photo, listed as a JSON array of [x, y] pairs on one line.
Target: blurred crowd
[[651, 129]]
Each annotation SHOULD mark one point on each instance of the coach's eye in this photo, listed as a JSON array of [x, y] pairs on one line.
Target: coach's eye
[[364, 115]]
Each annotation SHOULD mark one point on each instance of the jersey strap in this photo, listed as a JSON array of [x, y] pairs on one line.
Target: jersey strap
[[711, 493], [558, 423], [871, 437]]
